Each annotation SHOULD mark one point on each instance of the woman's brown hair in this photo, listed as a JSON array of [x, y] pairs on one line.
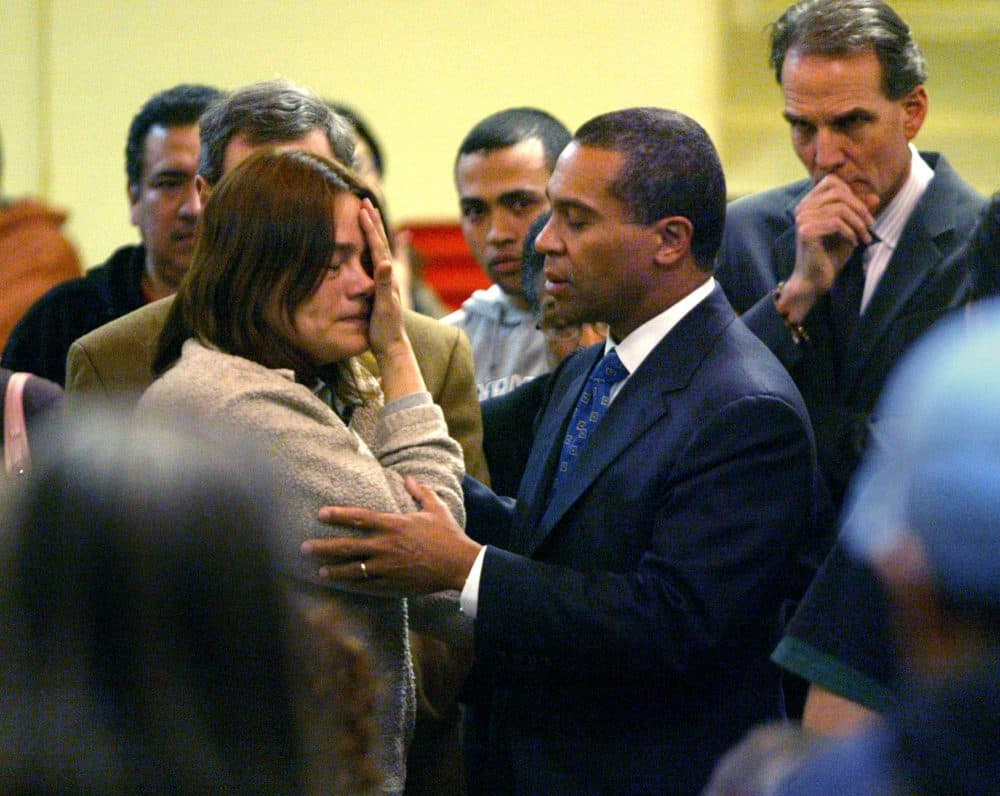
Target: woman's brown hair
[[266, 233]]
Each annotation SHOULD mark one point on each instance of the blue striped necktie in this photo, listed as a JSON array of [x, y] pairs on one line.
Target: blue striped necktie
[[593, 403]]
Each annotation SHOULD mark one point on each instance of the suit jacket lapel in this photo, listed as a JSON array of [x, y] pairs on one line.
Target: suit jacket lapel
[[544, 458], [783, 248], [783, 253], [641, 402], [916, 257]]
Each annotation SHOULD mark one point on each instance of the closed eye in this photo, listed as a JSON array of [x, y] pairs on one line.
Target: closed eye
[[170, 179], [571, 214], [168, 182], [852, 121], [800, 126]]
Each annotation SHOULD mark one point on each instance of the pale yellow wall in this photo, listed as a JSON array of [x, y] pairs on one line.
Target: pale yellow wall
[[960, 40], [20, 115], [75, 71], [422, 72]]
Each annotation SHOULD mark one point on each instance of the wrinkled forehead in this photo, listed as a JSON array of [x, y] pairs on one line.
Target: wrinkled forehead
[[584, 174], [241, 146], [815, 76]]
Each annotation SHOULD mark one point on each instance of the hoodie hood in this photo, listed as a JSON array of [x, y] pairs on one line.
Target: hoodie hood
[[496, 306]]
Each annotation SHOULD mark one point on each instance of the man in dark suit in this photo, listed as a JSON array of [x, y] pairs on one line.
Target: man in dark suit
[[624, 604], [839, 273]]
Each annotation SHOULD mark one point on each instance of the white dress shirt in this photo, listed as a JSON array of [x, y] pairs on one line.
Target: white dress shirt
[[888, 226]]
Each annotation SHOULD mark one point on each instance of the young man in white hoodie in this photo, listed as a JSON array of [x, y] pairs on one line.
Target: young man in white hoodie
[[501, 171]]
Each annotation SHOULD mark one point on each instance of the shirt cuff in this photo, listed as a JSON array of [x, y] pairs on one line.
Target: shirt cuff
[[826, 670], [469, 599], [408, 402]]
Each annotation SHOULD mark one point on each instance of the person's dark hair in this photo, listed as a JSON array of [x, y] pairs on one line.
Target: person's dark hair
[[671, 168], [837, 28], [272, 112], [334, 668], [533, 260], [512, 126], [176, 107], [266, 235], [364, 132], [145, 630]]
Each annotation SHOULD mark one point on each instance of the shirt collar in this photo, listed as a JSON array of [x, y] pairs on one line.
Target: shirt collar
[[638, 344], [342, 407], [889, 224]]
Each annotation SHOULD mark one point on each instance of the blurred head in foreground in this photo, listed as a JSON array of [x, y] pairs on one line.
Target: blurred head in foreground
[[147, 636]]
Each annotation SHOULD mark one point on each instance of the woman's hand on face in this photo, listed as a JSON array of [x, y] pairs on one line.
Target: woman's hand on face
[[385, 329], [386, 333]]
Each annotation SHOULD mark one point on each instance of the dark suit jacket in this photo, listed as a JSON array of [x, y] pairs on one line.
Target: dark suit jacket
[[626, 626], [507, 432], [925, 278]]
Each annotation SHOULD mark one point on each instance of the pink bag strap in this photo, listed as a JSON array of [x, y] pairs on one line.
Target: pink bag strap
[[16, 456]]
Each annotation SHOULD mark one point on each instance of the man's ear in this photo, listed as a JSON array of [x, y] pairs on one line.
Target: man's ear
[[132, 192], [674, 235], [914, 111], [202, 187]]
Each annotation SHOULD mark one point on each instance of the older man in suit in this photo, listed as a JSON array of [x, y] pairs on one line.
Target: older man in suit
[[624, 605], [839, 274]]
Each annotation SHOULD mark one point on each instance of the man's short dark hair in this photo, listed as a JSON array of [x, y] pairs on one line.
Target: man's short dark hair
[[176, 107], [671, 169], [271, 112], [533, 261], [837, 28], [514, 125]]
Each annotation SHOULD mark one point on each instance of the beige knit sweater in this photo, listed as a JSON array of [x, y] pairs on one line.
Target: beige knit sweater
[[319, 461]]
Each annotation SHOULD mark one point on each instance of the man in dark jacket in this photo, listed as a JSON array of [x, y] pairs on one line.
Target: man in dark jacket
[[839, 274], [161, 158]]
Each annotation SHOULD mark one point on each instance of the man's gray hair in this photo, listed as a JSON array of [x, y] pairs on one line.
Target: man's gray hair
[[837, 28], [271, 112]]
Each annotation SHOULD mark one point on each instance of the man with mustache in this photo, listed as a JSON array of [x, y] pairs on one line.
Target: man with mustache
[[161, 158]]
